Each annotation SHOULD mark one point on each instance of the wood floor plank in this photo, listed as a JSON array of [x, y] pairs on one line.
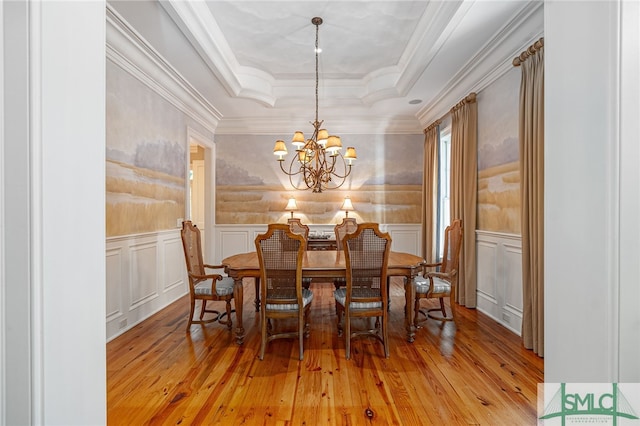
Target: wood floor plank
[[473, 371]]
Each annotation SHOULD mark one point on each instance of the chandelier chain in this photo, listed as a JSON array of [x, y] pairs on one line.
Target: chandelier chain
[[311, 162]]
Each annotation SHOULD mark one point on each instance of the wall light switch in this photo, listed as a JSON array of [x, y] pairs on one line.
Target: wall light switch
[[179, 222]]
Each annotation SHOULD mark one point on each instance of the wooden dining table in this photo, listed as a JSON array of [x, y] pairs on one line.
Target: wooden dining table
[[325, 264]]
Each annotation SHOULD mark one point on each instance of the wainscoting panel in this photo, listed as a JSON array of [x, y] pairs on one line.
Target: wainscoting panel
[[143, 276], [405, 238], [145, 273], [499, 280], [172, 273], [114, 271]]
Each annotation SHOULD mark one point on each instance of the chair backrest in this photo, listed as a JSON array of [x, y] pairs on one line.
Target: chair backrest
[[192, 248], [280, 254], [299, 228], [452, 246], [367, 255], [347, 226]]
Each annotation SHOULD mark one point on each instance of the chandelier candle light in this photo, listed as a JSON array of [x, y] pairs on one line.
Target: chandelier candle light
[[318, 160]]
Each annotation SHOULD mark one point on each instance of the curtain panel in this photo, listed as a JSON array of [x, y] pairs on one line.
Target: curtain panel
[[531, 135], [430, 191], [464, 192]]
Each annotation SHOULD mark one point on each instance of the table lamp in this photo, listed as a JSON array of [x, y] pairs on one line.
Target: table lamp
[[347, 206], [291, 206]]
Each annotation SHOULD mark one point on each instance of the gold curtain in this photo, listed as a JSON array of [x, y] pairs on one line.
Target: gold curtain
[[531, 134], [464, 192], [430, 191]]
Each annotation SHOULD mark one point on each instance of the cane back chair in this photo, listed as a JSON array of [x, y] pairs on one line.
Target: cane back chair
[[365, 295], [443, 282], [280, 254], [202, 286]]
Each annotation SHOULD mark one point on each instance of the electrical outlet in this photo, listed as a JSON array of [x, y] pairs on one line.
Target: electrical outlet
[[506, 317], [123, 323]]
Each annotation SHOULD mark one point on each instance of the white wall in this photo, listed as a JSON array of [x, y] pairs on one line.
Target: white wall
[[591, 181], [54, 285]]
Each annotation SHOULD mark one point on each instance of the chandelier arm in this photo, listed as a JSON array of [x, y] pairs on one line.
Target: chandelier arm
[[346, 167]]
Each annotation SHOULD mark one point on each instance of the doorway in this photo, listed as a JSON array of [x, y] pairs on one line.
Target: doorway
[[197, 189]]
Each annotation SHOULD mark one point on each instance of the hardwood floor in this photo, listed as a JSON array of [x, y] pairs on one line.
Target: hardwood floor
[[471, 372]]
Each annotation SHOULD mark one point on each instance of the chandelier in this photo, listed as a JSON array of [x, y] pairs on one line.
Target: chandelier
[[318, 160]]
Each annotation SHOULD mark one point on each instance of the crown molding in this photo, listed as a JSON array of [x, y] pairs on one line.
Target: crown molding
[[198, 24], [342, 126], [126, 48], [493, 61]]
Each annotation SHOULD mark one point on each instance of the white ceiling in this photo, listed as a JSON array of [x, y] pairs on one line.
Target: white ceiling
[[254, 61]]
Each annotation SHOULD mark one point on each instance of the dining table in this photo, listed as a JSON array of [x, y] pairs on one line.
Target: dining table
[[323, 264]]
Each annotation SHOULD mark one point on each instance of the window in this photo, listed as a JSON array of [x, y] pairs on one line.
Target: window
[[444, 165]]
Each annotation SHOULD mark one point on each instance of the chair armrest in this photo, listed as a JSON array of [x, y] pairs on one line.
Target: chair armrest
[[214, 266], [445, 275], [215, 277], [426, 265]]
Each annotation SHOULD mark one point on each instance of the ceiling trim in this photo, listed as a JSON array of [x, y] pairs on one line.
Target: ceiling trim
[[199, 26], [127, 49], [343, 126], [489, 64]]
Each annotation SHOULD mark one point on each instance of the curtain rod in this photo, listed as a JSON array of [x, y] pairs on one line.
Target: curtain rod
[[432, 126], [470, 98], [530, 51]]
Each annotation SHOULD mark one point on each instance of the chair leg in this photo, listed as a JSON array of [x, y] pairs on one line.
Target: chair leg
[[347, 326], [416, 311], [301, 334], [263, 332], [452, 306], [203, 307], [444, 312], [191, 311], [385, 336]]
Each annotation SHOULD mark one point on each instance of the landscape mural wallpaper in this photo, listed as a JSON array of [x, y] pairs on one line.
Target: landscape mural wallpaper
[[498, 155], [145, 170], [384, 186]]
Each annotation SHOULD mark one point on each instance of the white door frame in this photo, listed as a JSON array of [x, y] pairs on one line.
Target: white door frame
[[198, 138]]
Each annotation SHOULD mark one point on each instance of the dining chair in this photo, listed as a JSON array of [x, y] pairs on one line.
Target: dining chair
[[365, 295], [297, 227], [202, 286], [280, 255], [442, 282], [347, 226]]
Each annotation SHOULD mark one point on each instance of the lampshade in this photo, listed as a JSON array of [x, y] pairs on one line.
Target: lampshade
[[291, 206], [298, 139], [347, 206], [323, 135], [280, 149], [334, 144], [350, 155]]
